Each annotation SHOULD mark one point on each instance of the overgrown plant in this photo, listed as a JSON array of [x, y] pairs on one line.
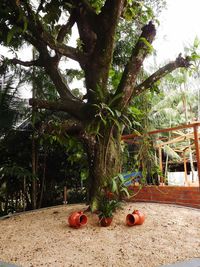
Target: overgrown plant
[[98, 22], [118, 187], [111, 196], [107, 207]]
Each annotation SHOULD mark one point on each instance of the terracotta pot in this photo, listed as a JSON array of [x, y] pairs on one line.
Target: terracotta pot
[[110, 195], [105, 221], [132, 219], [77, 219], [136, 218], [141, 216]]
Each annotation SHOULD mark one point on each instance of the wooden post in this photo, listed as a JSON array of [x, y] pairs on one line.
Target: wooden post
[[185, 169], [24, 194], [160, 164], [196, 141], [65, 195], [34, 148]]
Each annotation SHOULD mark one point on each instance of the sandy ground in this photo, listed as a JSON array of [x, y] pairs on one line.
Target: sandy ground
[[169, 234]]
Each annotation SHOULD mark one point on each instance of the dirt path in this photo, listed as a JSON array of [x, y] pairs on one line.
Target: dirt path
[[43, 238]]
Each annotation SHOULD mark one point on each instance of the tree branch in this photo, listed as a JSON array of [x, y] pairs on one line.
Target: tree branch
[[180, 62], [16, 61], [40, 6], [107, 23], [110, 6], [98, 35], [72, 104], [62, 49], [70, 127], [86, 20], [66, 106], [77, 5], [66, 28], [49, 63], [36, 28], [35, 34], [133, 67], [60, 82]]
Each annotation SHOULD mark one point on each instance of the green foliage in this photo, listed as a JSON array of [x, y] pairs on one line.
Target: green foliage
[[72, 73], [79, 44], [75, 195], [138, 10], [169, 106], [194, 50], [97, 4], [146, 159], [107, 115], [65, 164], [52, 11], [136, 14], [107, 207], [12, 108], [10, 34], [111, 196], [39, 79], [147, 44], [15, 28], [117, 186], [140, 156], [76, 158], [114, 75], [12, 169]]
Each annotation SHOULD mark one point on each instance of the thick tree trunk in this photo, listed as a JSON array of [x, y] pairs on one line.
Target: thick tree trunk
[[105, 163]]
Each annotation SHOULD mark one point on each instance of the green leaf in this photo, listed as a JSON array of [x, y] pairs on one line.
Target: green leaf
[[117, 123], [118, 113], [148, 45], [10, 35], [25, 24], [126, 121], [121, 178], [110, 110], [114, 188], [111, 73], [102, 119], [115, 98], [125, 190], [196, 42]]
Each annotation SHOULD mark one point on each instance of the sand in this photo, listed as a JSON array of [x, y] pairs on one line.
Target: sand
[[43, 238]]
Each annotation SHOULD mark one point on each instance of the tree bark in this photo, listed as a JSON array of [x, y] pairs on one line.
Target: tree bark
[[104, 162]]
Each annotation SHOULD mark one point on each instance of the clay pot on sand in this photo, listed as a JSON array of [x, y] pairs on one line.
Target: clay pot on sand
[[141, 216], [77, 219], [135, 218], [105, 221]]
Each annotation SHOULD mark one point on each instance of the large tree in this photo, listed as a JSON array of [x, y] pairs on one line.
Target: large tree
[[98, 118]]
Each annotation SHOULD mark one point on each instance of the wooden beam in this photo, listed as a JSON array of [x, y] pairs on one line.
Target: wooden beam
[[196, 141], [185, 169], [175, 140], [178, 139], [160, 159], [160, 164], [185, 126]]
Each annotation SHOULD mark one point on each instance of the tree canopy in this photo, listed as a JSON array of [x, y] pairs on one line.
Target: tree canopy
[[99, 116]]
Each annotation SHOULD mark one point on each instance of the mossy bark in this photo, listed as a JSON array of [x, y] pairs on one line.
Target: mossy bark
[[105, 163]]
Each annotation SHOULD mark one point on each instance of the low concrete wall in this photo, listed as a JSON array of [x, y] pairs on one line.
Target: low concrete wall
[[185, 196]]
